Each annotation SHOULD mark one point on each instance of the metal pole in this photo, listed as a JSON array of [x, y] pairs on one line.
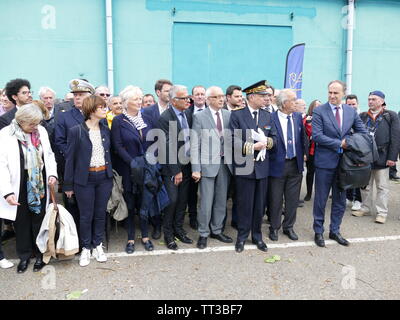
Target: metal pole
[[110, 57], [349, 51]]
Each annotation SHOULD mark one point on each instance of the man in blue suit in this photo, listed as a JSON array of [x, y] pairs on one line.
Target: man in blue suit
[[286, 164], [331, 123], [66, 120], [251, 175], [154, 111]]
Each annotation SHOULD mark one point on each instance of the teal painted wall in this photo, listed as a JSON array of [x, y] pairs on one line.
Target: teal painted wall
[[74, 45], [51, 54]]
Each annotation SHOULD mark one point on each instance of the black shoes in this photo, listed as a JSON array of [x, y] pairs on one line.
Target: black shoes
[[172, 245], [193, 223], [202, 242], [260, 245], [291, 234], [319, 240], [184, 238], [307, 197], [221, 237], [394, 178], [156, 233], [273, 234], [39, 264], [130, 248], [22, 266], [148, 245], [338, 238], [239, 246]]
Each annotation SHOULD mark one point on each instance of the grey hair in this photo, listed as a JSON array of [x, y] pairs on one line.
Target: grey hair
[[99, 87], [282, 97], [174, 90], [130, 92], [29, 113], [43, 90], [210, 89]]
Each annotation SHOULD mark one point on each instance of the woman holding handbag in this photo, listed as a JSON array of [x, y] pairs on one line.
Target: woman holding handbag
[[88, 174], [27, 168]]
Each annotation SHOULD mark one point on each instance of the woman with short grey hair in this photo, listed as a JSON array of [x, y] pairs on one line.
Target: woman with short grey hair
[[27, 168]]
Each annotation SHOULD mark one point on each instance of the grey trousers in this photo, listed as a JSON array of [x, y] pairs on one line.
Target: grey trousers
[[213, 193]]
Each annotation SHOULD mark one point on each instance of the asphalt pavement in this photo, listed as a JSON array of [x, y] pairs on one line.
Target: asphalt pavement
[[367, 269]]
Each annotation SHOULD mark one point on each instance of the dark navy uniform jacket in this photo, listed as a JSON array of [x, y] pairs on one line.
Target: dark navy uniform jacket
[[64, 122], [79, 153], [242, 120]]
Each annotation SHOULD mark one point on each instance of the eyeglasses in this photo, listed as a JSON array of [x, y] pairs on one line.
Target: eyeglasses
[[104, 95], [182, 98], [217, 97]]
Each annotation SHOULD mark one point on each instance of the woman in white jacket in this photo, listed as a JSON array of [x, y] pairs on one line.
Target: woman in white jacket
[[27, 167]]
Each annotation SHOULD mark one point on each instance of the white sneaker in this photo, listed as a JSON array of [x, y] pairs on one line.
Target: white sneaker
[[84, 259], [99, 254], [356, 206], [5, 264]]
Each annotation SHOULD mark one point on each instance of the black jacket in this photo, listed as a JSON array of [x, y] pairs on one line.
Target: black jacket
[[387, 136], [356, 162]]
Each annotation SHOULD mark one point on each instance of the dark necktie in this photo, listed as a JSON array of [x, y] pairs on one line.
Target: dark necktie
[[219, 123], [337, 116], [255, 118], [200, 109], [185, 128], [289, 142]]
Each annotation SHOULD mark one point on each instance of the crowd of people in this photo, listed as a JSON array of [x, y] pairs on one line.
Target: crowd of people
[[206, 144]]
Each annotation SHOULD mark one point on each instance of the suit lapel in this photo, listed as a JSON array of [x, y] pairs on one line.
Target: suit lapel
[[225, 116], [346, 117], [77, 115], [278, 126], [332, 118], [248, 118]]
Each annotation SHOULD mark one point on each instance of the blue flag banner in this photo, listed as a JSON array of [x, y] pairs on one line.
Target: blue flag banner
[[294, 68]]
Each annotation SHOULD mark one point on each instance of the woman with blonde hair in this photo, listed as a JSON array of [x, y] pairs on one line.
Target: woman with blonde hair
[[128, 136]]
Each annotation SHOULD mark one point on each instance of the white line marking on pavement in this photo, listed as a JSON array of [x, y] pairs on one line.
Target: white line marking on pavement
[[247, 247], [232, 248]]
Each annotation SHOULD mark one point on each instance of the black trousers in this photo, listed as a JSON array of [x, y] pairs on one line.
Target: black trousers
[[250, 199], [286, 187], [27, 223], [174, 214], [310, 174], [354, 194], [192, 199]]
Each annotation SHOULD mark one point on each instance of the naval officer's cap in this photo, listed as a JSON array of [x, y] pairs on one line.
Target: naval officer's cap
[[79, 85], [259, 87]]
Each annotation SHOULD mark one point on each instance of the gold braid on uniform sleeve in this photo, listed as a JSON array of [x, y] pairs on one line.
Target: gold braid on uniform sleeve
[[270, 143], [248, 148]]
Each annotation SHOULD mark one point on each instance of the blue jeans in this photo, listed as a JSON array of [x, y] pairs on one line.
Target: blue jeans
[[92, 202]]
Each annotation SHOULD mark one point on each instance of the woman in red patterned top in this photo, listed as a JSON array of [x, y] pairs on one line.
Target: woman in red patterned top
[[311, 147]]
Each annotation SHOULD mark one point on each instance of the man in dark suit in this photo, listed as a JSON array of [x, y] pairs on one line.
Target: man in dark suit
[[174, 157], [286, 165], [66, 120], [252, 174], [18, 91], [154, 111], [331, 123]]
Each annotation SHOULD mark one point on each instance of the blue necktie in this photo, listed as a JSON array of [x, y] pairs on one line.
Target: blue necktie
[[185, 128], [289, 142]]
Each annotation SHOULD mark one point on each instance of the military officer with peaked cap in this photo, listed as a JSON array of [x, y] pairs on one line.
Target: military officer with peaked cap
[[251, 161], [66, 120]]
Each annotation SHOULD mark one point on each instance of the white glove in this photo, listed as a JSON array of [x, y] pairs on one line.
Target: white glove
[[259, 136]]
